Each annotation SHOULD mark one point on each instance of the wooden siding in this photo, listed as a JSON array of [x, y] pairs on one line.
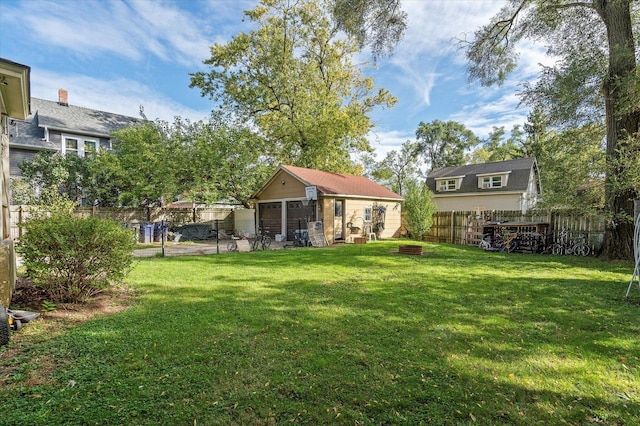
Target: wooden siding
[[495, 201], [465, 227], [17, 156], [354, 213], [291, 189]]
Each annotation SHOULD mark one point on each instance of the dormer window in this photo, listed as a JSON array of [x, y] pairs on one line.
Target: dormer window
[[448, 183], [492, 182], [489, 181]]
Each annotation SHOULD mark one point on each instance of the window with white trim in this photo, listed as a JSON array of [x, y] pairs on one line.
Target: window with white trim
[[492, 182], [447, 185], [71, 145], [367, 214], [79, 146], [90, 147]]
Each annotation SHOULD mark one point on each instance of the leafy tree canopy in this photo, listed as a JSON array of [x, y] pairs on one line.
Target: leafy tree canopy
[[293, 79], [378, 24], [398, 168], [443, 143]]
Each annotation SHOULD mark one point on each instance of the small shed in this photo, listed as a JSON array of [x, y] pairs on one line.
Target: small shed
[[347, 206]]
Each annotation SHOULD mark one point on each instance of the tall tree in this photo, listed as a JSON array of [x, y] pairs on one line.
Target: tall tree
[[293, 79], [594, 43], [443, 143], [497, 148], [378, 24], [226, 160], [139, 167], [398, 168]]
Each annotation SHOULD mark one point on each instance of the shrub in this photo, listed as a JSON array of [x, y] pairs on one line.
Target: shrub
[[419, 208], [74, 258]]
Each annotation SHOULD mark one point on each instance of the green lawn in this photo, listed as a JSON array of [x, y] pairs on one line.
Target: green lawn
[[355, 335]]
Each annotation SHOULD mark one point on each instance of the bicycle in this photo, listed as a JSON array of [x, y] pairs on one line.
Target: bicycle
[[511, 243], [576, 247], [485, 242], [232, 246], [261, 240]]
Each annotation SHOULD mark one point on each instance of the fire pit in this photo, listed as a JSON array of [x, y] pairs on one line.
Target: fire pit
[[410, 249]]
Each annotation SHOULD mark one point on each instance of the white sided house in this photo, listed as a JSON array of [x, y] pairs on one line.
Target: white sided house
[[504, 185]]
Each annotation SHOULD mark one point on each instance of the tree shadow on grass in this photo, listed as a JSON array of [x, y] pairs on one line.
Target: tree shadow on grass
[[373, 338]]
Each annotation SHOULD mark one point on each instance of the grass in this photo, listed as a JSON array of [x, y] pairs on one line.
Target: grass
[[349, 335]]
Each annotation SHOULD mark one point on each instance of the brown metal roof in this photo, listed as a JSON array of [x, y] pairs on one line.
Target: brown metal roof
[[329, 183]]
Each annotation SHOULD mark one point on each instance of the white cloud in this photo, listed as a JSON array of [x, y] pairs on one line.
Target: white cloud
[[384, 141], [130, 30], [481, 117]]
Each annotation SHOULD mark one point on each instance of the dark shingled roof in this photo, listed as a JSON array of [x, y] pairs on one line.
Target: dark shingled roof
[[518, 180], [66, 118]]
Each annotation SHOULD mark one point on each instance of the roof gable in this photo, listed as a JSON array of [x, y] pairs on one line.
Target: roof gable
[[329, 183], [78, 120]]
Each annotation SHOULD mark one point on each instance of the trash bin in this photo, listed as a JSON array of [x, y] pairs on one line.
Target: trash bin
[[160, 228], [146, 233]]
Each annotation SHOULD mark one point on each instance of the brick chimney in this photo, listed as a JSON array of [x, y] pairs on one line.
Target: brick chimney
[[63, 97]]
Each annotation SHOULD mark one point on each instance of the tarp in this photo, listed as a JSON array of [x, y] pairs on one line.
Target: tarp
[[195, 231]]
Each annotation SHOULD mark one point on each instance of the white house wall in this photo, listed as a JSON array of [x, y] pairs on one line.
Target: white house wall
[[484, 202]]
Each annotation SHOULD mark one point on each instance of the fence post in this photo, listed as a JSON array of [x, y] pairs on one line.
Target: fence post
[[20, 217], [453, 227]]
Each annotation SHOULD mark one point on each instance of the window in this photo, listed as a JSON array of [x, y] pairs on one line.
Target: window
[[79, 146], [492, 182], [89, 147], [71, 145], [447, 185], [338, 208], [367, 214]]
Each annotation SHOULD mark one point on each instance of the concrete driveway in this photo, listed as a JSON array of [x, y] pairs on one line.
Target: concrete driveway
[[198, 248]]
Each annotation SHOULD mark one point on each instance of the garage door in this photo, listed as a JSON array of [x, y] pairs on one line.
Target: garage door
[[297, 217], [270, 218]]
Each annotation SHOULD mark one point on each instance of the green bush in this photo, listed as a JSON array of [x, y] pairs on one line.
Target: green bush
[[74, 258], [419, 208]]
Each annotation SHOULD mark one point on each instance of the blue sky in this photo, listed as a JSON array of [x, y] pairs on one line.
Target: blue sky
[[115, 55]]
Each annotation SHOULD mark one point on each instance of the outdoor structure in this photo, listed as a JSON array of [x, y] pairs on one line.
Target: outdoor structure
[[504, 185], [15, 91], [347, 206], [61, 127]]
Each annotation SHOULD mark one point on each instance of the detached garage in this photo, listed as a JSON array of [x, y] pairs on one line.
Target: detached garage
[[346, 205]]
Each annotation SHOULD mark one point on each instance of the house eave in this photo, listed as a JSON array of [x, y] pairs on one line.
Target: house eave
[[362, 197], [32, 147], [475, 194], [15, 91], [77, 132], [449, 177], [506, 172]]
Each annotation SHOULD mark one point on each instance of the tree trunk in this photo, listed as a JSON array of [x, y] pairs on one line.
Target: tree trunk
[[622, 123]]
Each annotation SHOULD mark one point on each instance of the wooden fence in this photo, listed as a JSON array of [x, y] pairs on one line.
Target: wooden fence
[[131, 216], [467, 228]]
